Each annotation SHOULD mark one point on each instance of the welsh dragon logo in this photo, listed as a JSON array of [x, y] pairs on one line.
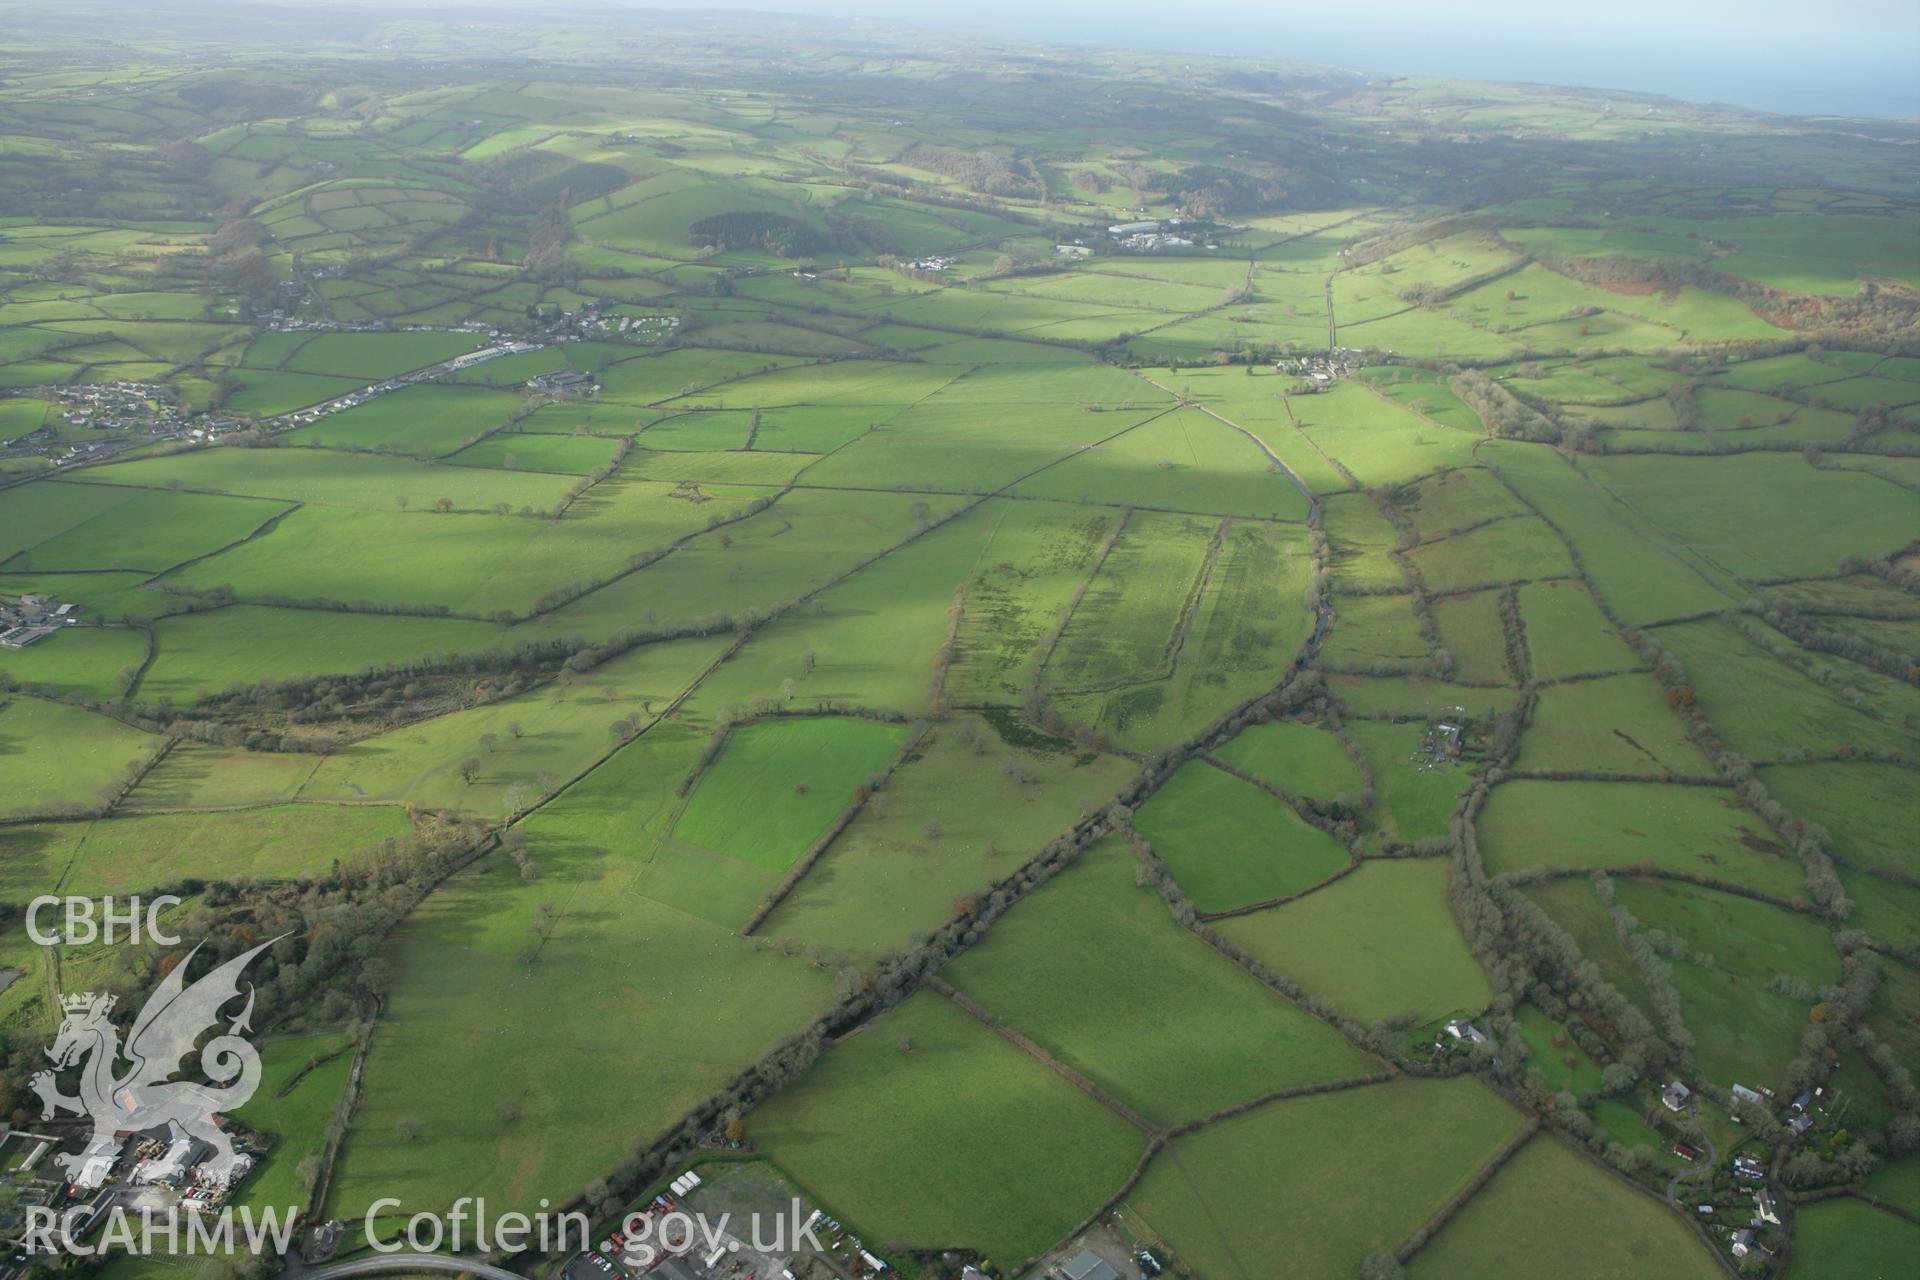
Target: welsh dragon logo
[[143, 1096]]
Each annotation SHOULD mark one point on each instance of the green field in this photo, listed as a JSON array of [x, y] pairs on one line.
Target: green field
[[301, 1080], [928, 1127], [1559, 1194], [1231, 845], [1701, 831], [1387, 1157], [1301, 758], [966, 811], [1848, 1240], [421, 421], [874, 485], [91, 762], [200, 653], [1379, 943], [134, 854], [1618, 724], [1567, 635], [1730, 952], [1094, 970]]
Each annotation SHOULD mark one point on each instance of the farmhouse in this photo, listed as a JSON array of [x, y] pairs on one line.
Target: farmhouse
[[1674, 1096], [1464, 1032], [171, 1167], [1765, 1209], [31, 618], [564, 382], [1088, 1265]]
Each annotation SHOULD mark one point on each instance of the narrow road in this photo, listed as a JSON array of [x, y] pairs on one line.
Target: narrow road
[[405, 1261]]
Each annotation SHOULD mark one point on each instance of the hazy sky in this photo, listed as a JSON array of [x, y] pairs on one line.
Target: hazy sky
[[1838, 56]]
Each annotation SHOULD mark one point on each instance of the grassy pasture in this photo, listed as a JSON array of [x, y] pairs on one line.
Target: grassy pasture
[[1256, 405], [797, 545], [1762, 515], [1094, 969], [952, 445], [1886, 910], [332, 553], [152, 532], [1844, 1239], [269, 394], [1125, 625], [1763, 707], [425, 421], [1864, 807], [779, 784], [92, 754], [1424, 393], [1245, 629], [37, 513], [963, 811], [1182, 461], [848, 384], [514, 451], [1376, 630], [1898, 1183], [1229, 844], [136, 854], [1035, 557], [200, 653], [1794, 372], [699, 432], [1376, 439], [1554, 1056], [1616, 825], [86, 662], [1567, 635], [1744, 1030], [471, 563], [476, 1027], [1416, 695], [1895, 1013], [195, 775], [1385, 1159], [961, 1140], [370, 357], [719, 466], [1630, 564], [872, 641], [1512, 550], [1378, 943], [563, 730], [1302, 758], [601, 417], [1457, 499], [1361, 539], [1473, 635], [327, 478], [294, 1104], [1616, 724], [1559, 1195]]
